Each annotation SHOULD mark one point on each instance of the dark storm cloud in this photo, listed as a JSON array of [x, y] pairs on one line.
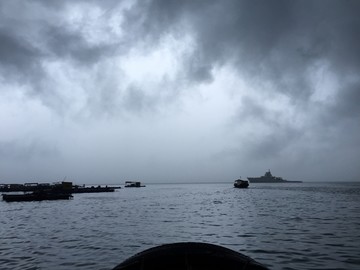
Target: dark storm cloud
[[31, 40], [68, 44], [18, 58], [267, 41], [16, 52], [348, 101], [272, 40], [277, 45]]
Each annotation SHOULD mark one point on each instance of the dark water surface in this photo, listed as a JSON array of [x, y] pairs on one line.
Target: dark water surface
[[284, 226]]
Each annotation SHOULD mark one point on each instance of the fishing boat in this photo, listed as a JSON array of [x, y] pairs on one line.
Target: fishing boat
[[239, 183], [133, 184]]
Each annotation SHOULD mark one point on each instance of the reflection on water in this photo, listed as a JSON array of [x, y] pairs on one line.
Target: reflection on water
[[284, 226]]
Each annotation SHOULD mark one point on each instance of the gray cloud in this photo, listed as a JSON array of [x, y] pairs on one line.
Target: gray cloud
[[18, 152], [19, 59], [303, 55], [71, 45], [347, 105], [272, 40]]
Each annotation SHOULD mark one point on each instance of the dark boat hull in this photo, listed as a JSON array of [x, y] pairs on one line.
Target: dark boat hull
[[35, 197], [269, 180], [241, 186], [63, 187], [192, 255]]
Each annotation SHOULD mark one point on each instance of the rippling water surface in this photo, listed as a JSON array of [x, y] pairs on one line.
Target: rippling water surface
[[284, 226]]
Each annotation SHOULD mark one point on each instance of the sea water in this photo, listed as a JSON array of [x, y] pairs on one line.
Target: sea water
[[284, 226]]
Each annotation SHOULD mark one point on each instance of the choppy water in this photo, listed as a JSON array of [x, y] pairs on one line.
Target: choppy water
[[284, 226]]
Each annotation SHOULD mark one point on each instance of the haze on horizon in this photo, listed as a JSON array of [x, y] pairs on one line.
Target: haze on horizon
[[179, 91]]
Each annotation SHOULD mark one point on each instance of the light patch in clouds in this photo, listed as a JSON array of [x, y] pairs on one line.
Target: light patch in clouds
[[163, 62], [96, 24], [22, 116], [325, 84]]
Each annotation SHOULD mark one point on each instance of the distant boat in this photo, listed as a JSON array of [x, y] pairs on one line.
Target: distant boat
[[35, 196], [133, 184], [269, 178], [239, 183]]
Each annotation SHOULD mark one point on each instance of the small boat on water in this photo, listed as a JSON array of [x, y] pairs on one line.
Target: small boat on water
[[36, 196], [133, 184], [239, 183]]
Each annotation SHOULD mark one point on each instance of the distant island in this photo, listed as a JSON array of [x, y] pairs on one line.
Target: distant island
[[269, 178]]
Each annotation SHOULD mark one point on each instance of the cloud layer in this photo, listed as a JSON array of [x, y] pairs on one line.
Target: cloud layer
[[102, 91]]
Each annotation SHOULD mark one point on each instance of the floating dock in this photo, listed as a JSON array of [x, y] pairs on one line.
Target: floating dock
[[63, 187]]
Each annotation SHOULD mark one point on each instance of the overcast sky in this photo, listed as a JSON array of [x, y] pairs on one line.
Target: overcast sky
[[179, 91]]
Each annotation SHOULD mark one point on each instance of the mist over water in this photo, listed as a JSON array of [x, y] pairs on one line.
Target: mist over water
[[284, 226]]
